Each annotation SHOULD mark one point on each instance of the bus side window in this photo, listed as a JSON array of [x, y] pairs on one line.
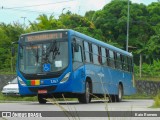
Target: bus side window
[[104, 59], [95, 54], [119, 63], [111, 59], [86, 51], [122, 62]]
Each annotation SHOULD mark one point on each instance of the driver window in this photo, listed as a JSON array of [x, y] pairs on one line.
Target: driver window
[[78, 55]]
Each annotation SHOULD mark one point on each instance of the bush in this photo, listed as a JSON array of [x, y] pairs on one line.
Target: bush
[[152, 70]]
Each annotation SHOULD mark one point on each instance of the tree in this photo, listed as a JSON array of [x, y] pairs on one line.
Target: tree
[[46, 23], [89, 15], [72, 21], [9, 33]]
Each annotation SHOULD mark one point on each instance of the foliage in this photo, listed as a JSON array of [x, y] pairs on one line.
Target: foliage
[[151, 70], [108, 25], [157, 101], [9, 33], [45, 23]]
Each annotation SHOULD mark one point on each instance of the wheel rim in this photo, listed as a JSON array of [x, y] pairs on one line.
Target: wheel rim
[[87, 92], [120, 93]]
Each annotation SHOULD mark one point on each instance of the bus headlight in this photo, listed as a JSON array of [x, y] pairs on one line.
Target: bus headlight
[[21, 81], [65, 78]]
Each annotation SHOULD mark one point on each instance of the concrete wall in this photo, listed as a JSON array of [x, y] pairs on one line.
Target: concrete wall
[[144, 87], [4, 79]]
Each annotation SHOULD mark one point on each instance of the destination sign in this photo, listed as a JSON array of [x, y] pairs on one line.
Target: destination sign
[[43, 37]]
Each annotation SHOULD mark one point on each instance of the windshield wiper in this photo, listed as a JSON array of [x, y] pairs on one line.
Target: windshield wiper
[[52, 48]]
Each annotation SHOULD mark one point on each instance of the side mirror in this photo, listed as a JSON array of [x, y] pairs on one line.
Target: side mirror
[[75, 45], [76, 48]]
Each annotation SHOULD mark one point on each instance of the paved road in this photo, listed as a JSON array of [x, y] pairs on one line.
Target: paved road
[[126, 105]]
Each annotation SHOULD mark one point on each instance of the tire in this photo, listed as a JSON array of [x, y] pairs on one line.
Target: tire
[[85, 98], [112, 98], [120, 93], [117, 98], [41, 99]]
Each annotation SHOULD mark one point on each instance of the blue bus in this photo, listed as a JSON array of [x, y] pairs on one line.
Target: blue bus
[[66, 63]]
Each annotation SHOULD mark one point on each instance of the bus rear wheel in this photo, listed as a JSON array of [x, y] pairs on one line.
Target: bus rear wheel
[[117, 98], [120, 93], [85, 98], [41, 99]]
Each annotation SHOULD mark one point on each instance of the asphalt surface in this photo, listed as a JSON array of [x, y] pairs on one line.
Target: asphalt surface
[[126, 106]]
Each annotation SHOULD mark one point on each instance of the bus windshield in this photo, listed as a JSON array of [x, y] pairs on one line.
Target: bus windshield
[[43, 57]]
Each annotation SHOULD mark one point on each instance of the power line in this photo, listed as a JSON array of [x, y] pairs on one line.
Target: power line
[[41, 4], [26, 10], [33, 11]]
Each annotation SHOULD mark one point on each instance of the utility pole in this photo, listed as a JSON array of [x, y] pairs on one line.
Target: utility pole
[[140, 66], [127, 28], [24, 18]]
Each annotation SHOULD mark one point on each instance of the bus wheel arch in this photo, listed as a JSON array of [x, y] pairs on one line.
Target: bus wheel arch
[[120, 92], [88, 79], [86, 96], [117, 97]]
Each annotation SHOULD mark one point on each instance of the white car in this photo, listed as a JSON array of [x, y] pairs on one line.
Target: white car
[[11, 88]]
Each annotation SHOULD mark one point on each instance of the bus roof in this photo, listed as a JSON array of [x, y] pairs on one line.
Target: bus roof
[[87, 38]]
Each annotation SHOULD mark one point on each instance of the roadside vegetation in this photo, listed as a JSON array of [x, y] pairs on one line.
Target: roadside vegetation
[[157, 101], [6, 98], [139, 96]]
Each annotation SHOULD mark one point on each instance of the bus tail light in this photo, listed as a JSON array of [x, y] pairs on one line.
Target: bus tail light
[[65, 78], [21, 81]]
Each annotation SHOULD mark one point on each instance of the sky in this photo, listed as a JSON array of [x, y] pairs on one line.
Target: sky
[[22, 11]]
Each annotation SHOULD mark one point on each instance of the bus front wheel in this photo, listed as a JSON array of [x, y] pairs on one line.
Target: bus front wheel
[[85, 98], [41, 99]]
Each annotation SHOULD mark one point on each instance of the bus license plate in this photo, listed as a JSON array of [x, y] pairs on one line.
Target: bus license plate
[[42, 91]]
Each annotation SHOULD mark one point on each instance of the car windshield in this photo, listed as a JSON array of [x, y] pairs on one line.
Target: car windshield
[[14, 81], [43, 57]]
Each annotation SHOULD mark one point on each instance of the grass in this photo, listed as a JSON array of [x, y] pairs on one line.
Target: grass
[[156, 103], [3, 72], [148, 78], [16, 98], [139, 96], [20, 98]]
